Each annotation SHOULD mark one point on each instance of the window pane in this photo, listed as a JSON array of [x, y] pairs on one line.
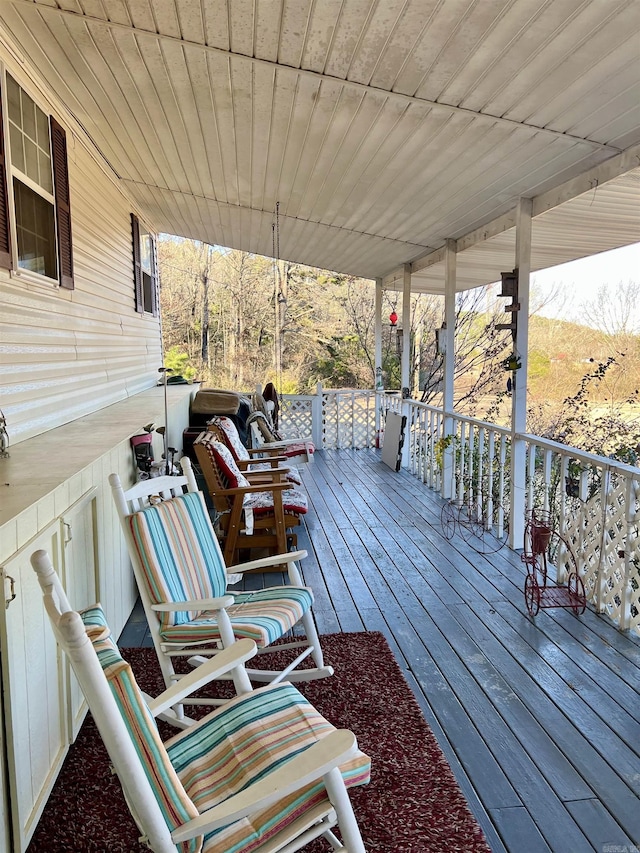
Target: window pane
[[29, 134], [13, 91], [145, 252], [31, 160], [35, 231], [44, 163], [147, 285], [15, 141], [28, 116], [42, 137]]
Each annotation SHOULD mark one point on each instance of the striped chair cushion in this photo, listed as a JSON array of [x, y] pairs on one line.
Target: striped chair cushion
[[263, 616], [179, 554], [247, 738], [174, 802]]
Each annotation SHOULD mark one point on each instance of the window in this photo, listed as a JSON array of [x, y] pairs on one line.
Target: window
[[35, 220], [144, 268]]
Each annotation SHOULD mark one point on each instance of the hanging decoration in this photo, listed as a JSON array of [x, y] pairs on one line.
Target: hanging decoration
[[393, 318]]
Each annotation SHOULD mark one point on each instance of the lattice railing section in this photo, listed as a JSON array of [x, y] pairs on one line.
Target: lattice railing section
[[348, 419], [295, 418], [604, 535]]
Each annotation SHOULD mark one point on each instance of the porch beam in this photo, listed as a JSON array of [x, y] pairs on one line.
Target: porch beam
[[594, 177], [520, 377], [397, 97]]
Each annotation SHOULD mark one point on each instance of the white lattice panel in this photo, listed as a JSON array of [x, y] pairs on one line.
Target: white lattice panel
[[296, 417], [348, 420], [599, 534]]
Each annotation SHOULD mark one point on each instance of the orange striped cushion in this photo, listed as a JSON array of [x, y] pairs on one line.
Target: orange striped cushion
[[247, 738], [179, 553]]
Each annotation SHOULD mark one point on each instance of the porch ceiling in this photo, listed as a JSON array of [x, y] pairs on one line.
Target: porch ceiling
[[381, 127]]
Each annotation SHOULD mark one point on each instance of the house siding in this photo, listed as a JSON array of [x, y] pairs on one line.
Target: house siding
[[67, 353]]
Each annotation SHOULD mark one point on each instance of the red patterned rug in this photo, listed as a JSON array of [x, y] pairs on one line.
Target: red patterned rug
[[412, 805]]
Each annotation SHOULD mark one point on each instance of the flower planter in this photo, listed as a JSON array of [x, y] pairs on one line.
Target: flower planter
[[540, 538]]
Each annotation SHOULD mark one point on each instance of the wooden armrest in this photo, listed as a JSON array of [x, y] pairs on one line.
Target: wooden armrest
[[217, 666], [331, 751], [261, 487], [195, 604]]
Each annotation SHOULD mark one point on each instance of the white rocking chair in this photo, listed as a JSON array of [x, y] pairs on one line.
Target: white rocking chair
[[265, 773], [183, 584]]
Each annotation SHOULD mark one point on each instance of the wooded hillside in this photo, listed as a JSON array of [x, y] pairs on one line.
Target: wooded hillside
[[236, 320]]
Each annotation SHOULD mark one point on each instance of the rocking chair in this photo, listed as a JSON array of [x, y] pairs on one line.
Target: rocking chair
[[265, 438], [183, 584], [254, 514], [250, 461], [264, 773]]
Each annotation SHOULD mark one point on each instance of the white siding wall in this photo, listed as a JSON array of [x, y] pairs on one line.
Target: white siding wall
[[64, 354]]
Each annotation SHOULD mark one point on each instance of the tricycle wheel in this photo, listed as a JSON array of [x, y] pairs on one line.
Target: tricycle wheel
[[577, 594], [448, 517], [532, 594]]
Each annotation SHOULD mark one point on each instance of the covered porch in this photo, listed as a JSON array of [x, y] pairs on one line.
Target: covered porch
[[539, 718]]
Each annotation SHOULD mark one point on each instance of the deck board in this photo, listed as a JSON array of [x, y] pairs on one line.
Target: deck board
[[539, 718]]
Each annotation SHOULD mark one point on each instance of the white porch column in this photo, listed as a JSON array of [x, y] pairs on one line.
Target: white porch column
[[378, 383], [377, 335], [447, 339], [519, 386], [405, 365]]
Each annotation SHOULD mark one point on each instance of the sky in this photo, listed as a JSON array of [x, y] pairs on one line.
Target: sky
[[578, 281]]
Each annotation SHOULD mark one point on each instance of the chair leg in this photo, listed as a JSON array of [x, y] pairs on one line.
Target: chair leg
[[313, 639], [339, 798]]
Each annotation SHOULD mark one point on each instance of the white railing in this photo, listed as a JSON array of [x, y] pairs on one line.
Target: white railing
[[594, 501], [335, 419]]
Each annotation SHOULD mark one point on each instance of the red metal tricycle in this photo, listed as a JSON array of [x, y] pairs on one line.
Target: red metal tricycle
[[546, 549]]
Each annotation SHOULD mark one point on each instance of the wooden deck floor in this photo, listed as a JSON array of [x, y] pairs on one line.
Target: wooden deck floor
[[539, 718]]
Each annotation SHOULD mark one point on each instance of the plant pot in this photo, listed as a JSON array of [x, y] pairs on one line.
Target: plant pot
[[572, 487], [540, 538]]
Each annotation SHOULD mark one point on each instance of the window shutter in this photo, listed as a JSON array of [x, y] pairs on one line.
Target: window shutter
[[5, 239], [137, 266], [63, 207], [155, 279]]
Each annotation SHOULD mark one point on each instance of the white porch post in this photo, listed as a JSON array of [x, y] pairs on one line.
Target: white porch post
[[447, 338], [519, 383], [317, 435], [378, 383], [405, 364], [377, 334]]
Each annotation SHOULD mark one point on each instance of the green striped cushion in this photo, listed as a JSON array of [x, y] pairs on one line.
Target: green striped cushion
[[179, 553], [246, 739], [174, 802], [263, 616]]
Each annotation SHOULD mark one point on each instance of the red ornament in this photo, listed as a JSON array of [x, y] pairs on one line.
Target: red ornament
[[393, 318]]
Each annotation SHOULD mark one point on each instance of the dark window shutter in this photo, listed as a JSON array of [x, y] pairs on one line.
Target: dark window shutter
[[137, 266], [63, 207], [5, 239], [155, 280]]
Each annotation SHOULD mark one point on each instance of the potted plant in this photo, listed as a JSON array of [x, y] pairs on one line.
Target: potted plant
[[572, 479]]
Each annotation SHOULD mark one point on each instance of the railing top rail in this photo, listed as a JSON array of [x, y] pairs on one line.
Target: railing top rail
[[459, 417], [581, 455]]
